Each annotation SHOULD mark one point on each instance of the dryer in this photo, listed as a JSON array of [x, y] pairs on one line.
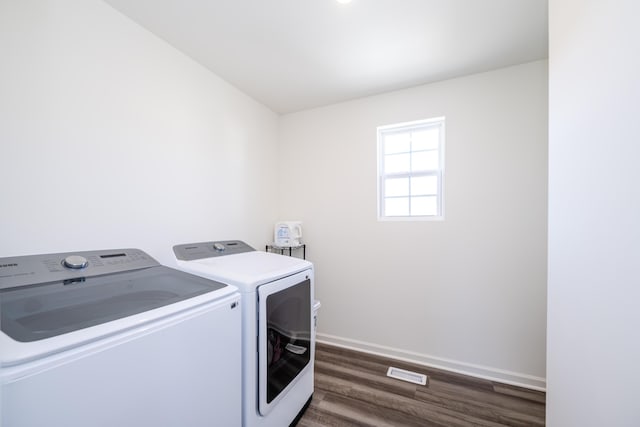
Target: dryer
[[278, 343], [112, 338]]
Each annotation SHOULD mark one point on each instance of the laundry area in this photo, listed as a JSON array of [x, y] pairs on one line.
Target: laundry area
[[185, 182], [112, 337], [320, 212]]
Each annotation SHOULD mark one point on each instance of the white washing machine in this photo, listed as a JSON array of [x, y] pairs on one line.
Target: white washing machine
[[112, 338], [278, 343]]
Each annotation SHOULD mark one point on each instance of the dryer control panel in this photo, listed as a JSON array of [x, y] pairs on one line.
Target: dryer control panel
[[193, 251]]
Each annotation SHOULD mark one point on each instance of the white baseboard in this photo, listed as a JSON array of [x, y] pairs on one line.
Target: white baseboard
[[478, 371]]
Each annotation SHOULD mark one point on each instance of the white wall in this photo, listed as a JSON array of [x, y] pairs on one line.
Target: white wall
[[594, 208], [467, 293], [111, 138]]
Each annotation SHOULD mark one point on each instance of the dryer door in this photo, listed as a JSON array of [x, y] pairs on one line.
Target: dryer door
[[284, 335]]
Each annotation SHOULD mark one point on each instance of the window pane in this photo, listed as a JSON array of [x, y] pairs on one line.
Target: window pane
[[396, 187], [411, 161], [424, 185], [397, 143], [424, 160], [396, 206], [424, 205], [425, 139], [397, 163]]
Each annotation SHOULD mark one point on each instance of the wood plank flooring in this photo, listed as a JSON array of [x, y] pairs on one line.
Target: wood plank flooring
[[352, 389]]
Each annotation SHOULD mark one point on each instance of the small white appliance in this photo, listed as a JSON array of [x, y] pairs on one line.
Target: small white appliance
[[112, 338], [278, 343], [288, 234]]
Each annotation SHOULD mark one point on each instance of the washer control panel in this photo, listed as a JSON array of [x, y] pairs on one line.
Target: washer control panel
[[34, 269], [193, 251]]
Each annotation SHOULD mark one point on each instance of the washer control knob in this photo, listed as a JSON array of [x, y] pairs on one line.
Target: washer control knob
[[75, 262], [219, 247]]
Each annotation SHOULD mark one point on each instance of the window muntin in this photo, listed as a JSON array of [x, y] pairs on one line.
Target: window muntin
[[411, 170]]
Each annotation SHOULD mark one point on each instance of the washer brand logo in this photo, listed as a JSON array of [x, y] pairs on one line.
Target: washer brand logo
[[8, 265]]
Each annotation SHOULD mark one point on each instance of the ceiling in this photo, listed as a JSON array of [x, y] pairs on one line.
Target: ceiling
[[292, 55]]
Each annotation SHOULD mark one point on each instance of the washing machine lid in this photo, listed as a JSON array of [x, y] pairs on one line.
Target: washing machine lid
[[44, 296]]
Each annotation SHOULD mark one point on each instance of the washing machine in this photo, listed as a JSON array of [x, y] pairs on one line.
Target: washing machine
[[278, 343], [112, 338]]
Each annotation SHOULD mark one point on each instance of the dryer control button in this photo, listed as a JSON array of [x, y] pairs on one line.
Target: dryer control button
[[218, 247], [75, 262]]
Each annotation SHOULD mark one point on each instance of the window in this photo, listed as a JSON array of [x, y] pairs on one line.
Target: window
[[411, 170]]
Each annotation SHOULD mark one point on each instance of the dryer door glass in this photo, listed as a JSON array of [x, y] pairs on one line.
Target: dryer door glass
[[286, 344]]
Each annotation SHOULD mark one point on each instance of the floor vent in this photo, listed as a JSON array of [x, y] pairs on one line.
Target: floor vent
[[412, 377]]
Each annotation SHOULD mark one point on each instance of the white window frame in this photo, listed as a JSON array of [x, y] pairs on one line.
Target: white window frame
[[408, 127]]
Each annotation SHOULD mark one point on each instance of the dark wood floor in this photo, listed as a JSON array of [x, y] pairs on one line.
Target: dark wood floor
[[352, 389]]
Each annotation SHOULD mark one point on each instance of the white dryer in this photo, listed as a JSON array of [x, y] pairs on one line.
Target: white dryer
[[278, 344], [112, 338]]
